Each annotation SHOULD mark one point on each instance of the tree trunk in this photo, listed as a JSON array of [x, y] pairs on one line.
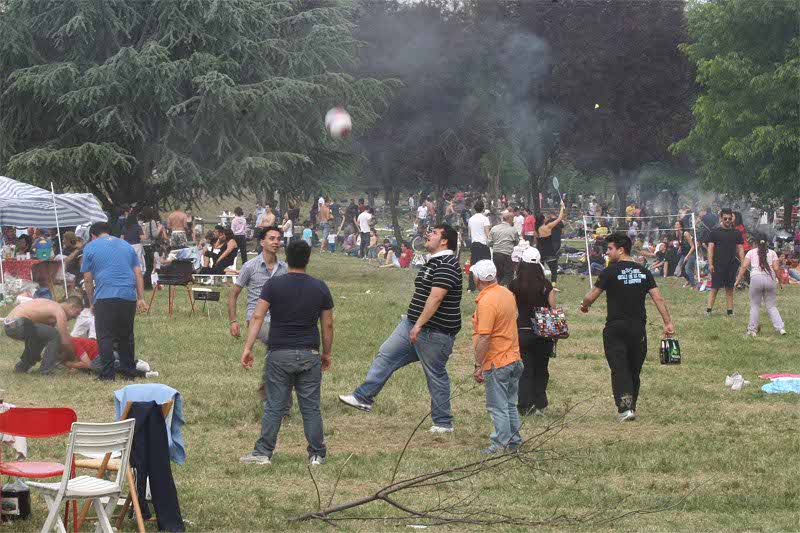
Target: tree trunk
[[788, 203], [621, 187], [371, 197], [535, 190], [393, 197]]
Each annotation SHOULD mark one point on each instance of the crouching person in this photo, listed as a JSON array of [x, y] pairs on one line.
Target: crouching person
[[497, 361]]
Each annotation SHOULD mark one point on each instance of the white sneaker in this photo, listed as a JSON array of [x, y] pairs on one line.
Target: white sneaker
[[150, 375], [627, 416], [253, 459], [752, 334], [316, 460], [349, 399], [782, 332], [440, 429]]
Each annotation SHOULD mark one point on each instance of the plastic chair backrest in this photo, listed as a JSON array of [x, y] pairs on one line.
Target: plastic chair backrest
[[37, 422], [98, 439]]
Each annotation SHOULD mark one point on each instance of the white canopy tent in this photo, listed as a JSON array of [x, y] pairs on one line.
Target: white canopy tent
[[25, 205]]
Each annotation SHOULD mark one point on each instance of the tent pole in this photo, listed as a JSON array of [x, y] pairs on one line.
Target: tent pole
[[60, 242], [588, 259]]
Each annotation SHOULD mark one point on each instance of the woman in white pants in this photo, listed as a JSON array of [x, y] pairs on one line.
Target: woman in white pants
[[764, 266]]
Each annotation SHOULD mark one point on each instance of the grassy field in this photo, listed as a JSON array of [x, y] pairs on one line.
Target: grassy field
[[723, 460]]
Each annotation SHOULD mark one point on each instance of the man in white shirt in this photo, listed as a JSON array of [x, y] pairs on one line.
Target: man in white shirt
[[422, 214], [363, 222], [479, 226], [411, 202], [518, 221], [593, 208]]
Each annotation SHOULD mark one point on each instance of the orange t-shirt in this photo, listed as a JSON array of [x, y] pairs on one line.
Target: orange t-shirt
[[496, 315]]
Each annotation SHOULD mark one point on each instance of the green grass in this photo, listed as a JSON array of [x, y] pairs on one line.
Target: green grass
[[732, 456]]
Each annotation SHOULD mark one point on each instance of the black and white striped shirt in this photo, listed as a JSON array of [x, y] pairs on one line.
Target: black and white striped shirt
[[443, 271]]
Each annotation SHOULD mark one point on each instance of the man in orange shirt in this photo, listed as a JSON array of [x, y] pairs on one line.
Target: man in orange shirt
[[497, 360]]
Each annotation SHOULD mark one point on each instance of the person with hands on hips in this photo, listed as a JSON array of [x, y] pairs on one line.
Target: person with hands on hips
[[626, 284], [297, 302]]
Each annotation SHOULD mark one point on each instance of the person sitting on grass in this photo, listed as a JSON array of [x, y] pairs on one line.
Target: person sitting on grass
[[401, 260]]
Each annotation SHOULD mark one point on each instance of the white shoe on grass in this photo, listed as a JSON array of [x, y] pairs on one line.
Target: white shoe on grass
[[253, 458], [352, 401], [729, 380], [782, 332], [627, 416], [316, 460], [440, 429]]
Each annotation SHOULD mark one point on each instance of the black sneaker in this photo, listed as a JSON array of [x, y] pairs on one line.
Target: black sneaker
[[21, 368]]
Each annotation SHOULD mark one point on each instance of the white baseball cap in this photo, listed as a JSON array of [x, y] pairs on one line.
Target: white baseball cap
[[532, 255], [484, 270]]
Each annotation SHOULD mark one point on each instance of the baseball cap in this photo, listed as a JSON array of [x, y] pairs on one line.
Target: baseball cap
[[484, 270], [532, 255]]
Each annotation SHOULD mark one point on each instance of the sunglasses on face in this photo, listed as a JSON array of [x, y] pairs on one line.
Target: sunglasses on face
[[727, 219]]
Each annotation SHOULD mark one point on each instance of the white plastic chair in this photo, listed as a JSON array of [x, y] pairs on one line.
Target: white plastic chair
[[90, 439]]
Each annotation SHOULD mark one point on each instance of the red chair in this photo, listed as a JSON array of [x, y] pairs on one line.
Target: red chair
[[36, 423]]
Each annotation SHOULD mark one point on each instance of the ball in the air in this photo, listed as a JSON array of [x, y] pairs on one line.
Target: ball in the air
[[338, 122]]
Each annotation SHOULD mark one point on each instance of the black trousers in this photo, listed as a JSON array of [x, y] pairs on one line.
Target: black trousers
[[505, 268], [241, 243], [477, 252], [535, 353], [113, 321], [625, 345]]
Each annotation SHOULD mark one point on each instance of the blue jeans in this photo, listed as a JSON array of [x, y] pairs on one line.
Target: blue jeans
[[303, 370], [794, 274], [432, 349], [502, 390], [326, 230], [689, 269]]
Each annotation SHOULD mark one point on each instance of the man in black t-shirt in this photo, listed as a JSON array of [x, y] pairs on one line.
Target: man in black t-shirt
[[426, 334], [725, 254], [296, 302], [626, 284]]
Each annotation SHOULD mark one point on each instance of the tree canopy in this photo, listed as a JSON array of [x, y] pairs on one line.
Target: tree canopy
[[746, 137], [161, 101]]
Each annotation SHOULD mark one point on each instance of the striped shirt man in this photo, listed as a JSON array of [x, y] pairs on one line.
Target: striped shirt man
[[443, 271]]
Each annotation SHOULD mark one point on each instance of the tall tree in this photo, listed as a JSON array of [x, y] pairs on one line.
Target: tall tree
[[746, 136], [160, 101]]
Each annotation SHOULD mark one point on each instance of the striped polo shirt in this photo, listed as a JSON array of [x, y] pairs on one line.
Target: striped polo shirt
[[443, 271]]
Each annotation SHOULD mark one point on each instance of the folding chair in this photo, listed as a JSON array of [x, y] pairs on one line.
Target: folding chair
[[37, 422], [112, 464], [90, 438]]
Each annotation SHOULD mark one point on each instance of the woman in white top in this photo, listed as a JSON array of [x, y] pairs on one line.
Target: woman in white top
[[288, 229], [764, 267]]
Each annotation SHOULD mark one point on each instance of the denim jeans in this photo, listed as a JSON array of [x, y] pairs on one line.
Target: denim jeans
[[502, 390], [301, 369], [689, 266], [432, 349], [37, 337], [326, 230]]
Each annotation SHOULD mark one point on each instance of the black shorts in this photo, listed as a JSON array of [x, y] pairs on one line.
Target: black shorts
[[724, 277]]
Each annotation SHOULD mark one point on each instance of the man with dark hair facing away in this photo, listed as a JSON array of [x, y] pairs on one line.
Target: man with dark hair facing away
[[626, 284], [426, 334], [296, 302]]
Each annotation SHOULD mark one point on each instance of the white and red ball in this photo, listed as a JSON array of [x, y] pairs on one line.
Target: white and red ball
[[338, 122]]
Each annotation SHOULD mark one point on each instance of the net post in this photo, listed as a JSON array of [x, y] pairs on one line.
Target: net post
[[588, 259], [696, 251]]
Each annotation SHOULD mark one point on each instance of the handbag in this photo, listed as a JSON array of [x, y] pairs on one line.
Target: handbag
[[549, 323]]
